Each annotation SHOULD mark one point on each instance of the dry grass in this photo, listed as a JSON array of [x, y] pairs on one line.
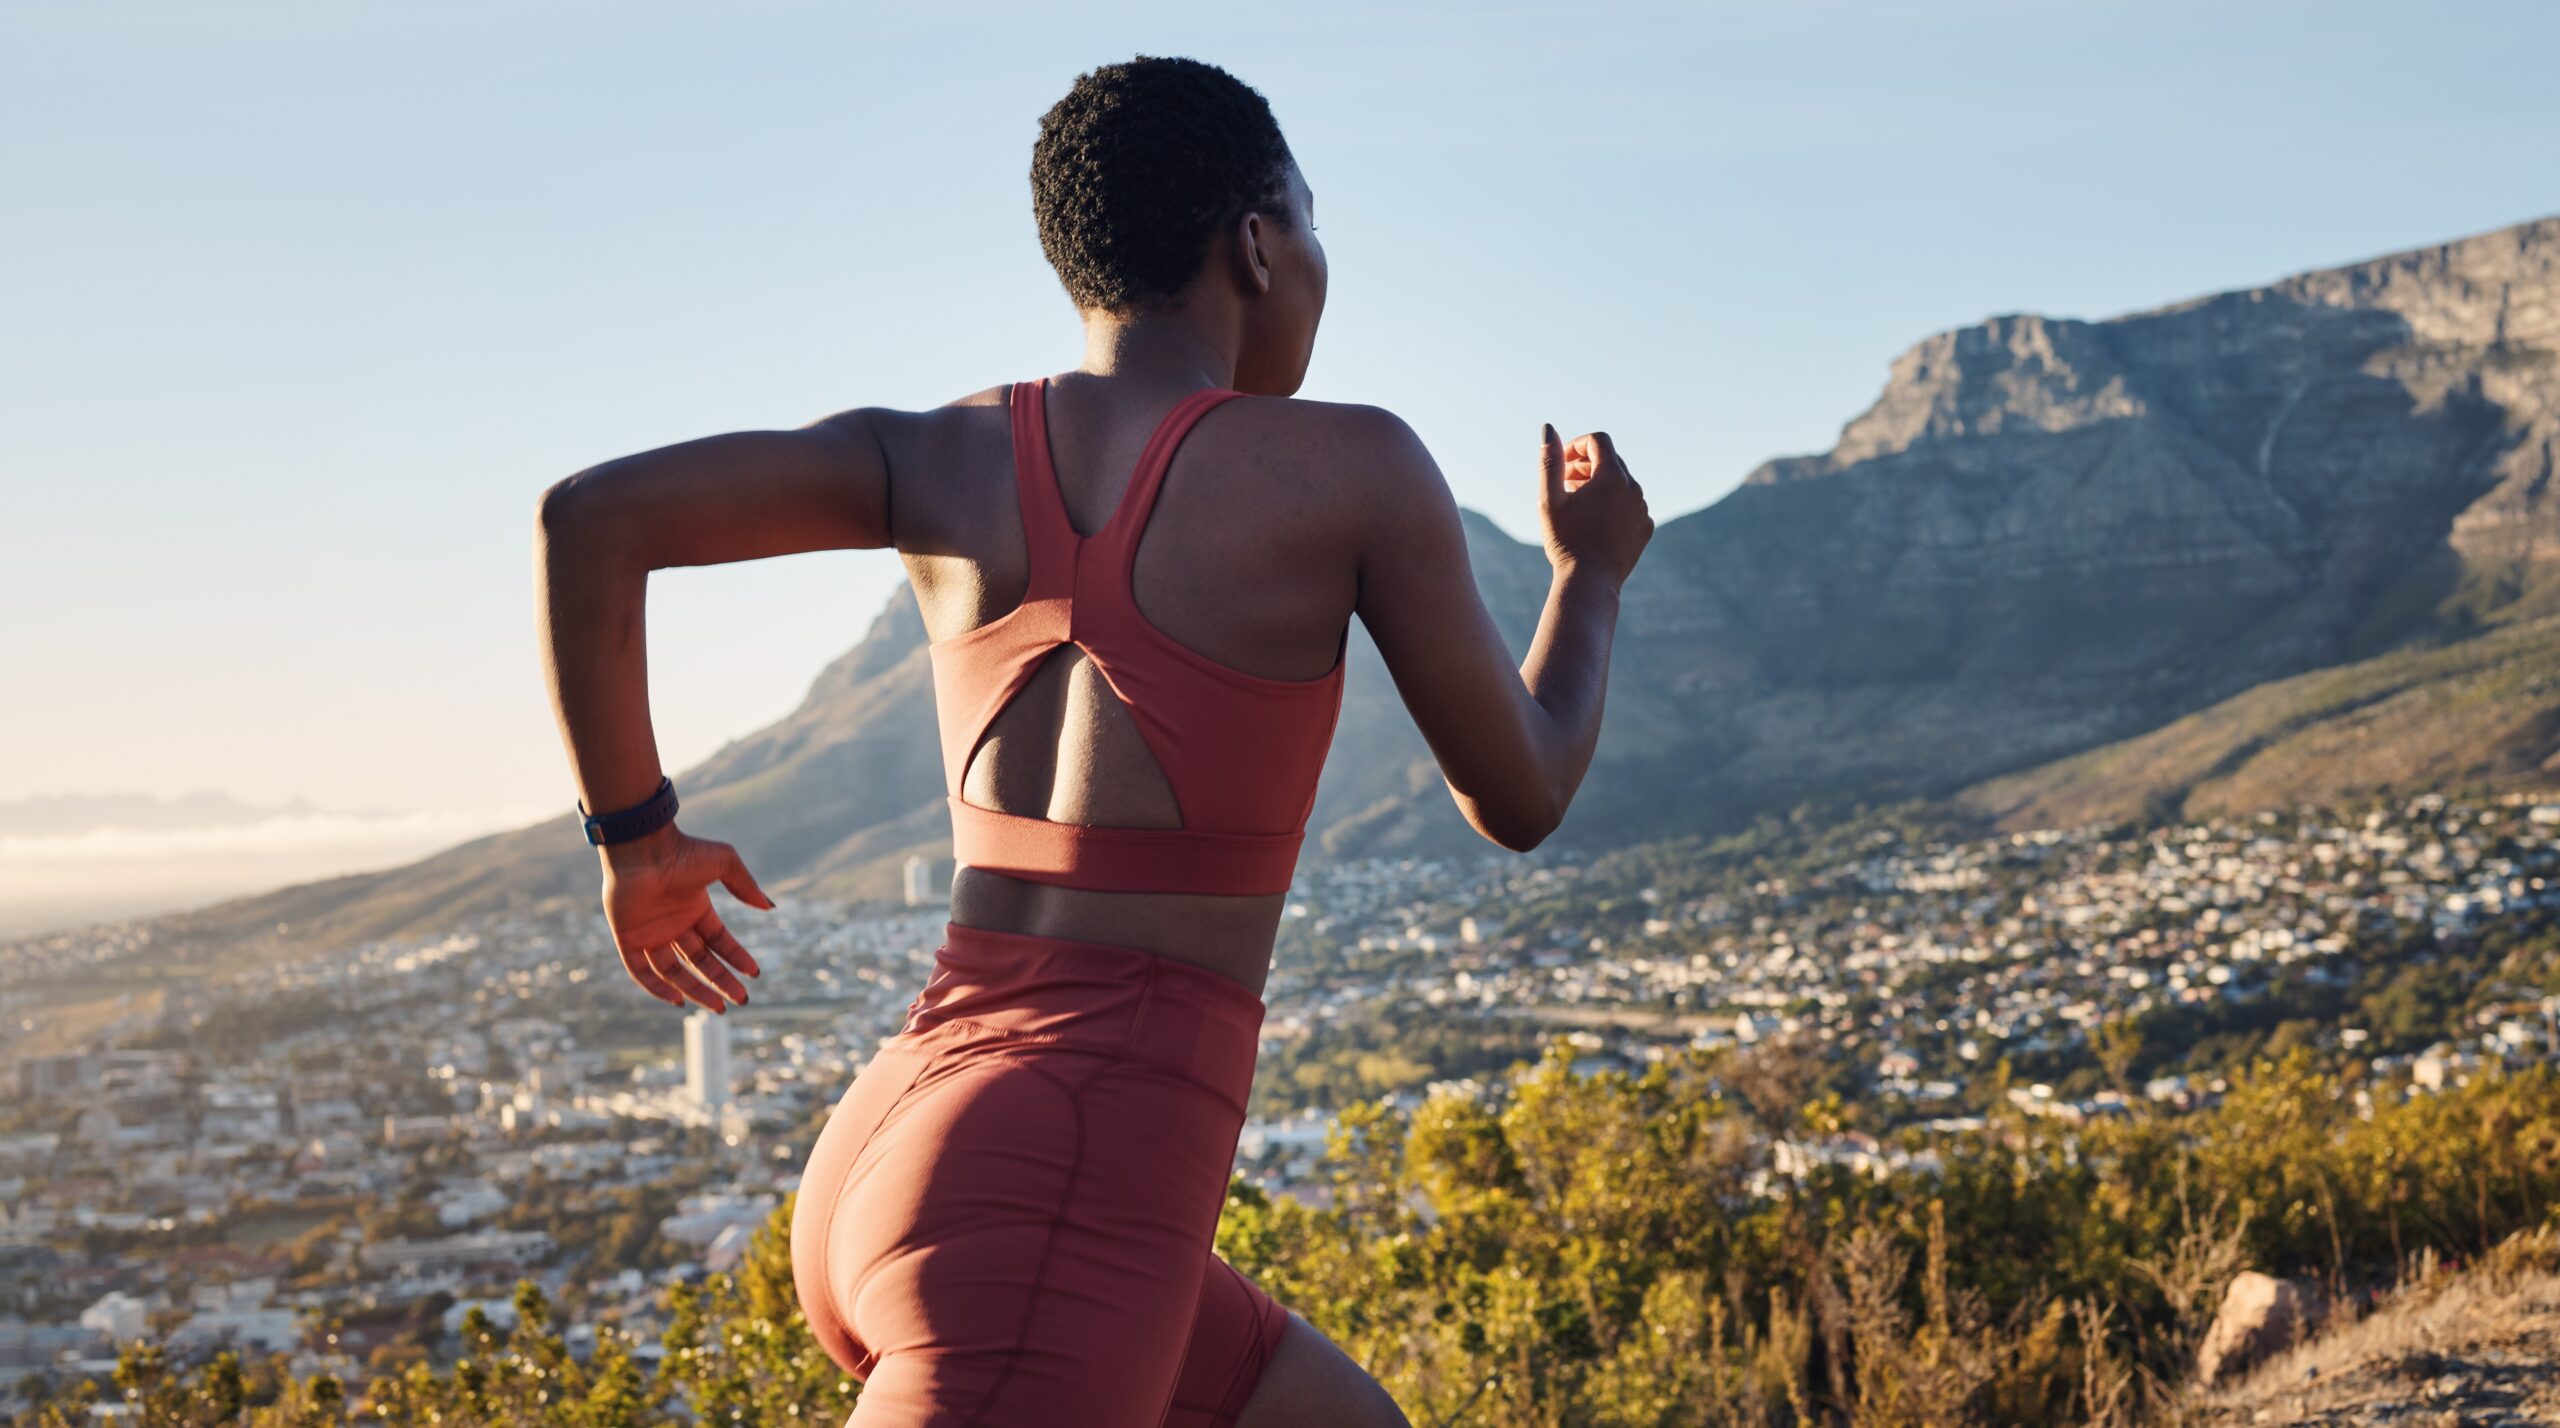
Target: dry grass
[[2480, 1346]]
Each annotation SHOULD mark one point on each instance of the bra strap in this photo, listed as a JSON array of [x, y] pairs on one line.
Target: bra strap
[[1127, 523], [1050, 536]]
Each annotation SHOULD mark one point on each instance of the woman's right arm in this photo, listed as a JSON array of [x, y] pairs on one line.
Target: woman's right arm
[[1513, 745]]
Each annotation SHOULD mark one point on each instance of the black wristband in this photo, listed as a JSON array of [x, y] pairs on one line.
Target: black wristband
[[638, 821]]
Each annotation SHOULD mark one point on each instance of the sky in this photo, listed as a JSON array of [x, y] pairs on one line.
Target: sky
[[306, 301]]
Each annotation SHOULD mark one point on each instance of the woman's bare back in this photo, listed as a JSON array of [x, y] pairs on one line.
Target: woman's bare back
[[1249, 558]]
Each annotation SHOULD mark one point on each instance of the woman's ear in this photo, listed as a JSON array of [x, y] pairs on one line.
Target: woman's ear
[[1253, 265]]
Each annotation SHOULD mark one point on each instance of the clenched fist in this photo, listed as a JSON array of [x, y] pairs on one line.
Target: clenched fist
[[1591, 505]]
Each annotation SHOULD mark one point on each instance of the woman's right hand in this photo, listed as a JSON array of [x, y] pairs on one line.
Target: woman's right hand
[[1591, 506], [657, 900]]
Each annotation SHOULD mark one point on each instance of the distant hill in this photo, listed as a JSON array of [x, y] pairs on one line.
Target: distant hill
[[75, 858], [2294, 541], [55, 815]]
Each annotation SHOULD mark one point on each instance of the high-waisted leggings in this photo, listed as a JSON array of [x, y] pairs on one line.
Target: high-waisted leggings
[[1008, 1218]]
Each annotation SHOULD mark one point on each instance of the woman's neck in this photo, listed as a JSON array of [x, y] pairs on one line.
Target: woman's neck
[[1169, 349]]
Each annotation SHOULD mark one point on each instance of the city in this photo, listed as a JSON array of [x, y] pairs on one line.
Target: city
[[340, 1159]]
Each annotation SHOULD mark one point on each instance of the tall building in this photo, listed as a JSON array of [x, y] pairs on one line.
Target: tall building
[[928, 879], [706, 1062]]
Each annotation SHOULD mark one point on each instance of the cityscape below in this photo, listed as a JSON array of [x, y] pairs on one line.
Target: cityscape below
[[294, 1158]]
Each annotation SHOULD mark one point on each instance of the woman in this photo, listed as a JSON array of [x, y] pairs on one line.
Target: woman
[[1137, 580]]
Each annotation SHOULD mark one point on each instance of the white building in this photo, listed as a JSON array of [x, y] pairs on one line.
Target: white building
[[925, 880], [466, 1203], [700, 1220], [517, 1247], [706, 1062], [119, 1316]]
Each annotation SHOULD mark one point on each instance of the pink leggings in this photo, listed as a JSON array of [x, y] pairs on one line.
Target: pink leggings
[[1007, 1220]]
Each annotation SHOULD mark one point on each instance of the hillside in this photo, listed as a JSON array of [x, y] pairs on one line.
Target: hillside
[[2459, 1348], [2293, 541]]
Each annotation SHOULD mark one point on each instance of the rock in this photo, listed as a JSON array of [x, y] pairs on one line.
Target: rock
[[2261, 1316]]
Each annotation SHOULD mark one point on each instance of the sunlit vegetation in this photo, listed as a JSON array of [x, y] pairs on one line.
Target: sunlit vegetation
[[1610, 1249]]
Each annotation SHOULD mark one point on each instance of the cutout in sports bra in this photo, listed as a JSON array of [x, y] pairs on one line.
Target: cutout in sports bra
[[1240, 751]]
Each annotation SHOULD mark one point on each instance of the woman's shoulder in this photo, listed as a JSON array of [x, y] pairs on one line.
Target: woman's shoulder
[[926, 436], [1324, 431], [1322, 428], [1350, 437]]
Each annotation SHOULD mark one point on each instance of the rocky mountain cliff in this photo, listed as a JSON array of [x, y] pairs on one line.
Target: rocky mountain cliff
[[2050, 535], [2294, 540]]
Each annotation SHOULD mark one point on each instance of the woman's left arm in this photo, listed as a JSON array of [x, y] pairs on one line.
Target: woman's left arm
[[597, 535]]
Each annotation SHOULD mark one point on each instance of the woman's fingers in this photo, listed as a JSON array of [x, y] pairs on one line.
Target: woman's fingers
[[741, 883], [1604, 456], [698, 957], [637, 964], [670, 964], [1592, 456], [715, 935], [702, 964]]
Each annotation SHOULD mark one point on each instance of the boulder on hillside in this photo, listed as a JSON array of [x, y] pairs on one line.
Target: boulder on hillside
[[2261, 1315]]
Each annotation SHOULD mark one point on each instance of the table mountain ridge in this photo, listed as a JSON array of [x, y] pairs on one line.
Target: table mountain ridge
[[2283, 542]]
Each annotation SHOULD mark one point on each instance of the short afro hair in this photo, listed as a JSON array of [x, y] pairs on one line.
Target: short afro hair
[[1140, 165]]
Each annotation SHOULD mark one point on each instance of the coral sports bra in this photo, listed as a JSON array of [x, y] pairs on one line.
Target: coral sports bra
[[1240, 751]]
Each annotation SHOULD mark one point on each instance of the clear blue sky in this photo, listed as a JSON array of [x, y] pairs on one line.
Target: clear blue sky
[[306, 300]]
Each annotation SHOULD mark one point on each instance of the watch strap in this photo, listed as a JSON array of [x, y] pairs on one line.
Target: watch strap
[[638, 821]]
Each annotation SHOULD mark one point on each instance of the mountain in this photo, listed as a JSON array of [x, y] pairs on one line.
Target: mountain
[[62, 814], [2047, 536], [2291, 541], [71, 859]]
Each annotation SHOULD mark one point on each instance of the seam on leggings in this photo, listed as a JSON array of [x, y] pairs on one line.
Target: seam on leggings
[[1146, 1003], [1049, 1242], [1008, 1033], [1245, 1352], [870, 1356], [1220, 1411], [1138, 1030]]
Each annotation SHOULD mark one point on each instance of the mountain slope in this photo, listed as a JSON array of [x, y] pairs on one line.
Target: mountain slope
[[2479, 710], [2473, 1346], [2046, 537]]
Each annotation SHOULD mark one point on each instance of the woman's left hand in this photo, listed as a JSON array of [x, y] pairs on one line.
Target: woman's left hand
[[657, 899]]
